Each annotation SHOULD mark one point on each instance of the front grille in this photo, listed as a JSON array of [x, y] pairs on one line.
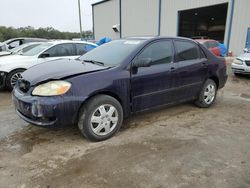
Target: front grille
[[247, 63], [23, 85]]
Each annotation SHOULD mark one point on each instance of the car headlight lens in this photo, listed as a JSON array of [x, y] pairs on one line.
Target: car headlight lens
[[52, 88], [238, 62]]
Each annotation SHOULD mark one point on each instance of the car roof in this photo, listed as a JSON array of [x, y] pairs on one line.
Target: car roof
[[146, 38], [25, 38], [55, 42]]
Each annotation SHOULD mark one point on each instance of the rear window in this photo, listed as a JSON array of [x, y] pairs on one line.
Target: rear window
[[186, 50]]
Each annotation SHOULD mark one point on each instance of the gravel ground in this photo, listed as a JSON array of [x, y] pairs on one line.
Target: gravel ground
[[180, 146]]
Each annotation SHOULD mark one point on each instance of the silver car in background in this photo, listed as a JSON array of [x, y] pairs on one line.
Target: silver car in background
[[241, 65], [20, 49]]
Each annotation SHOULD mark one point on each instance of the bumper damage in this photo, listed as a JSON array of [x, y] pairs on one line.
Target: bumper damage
[[46, 111]]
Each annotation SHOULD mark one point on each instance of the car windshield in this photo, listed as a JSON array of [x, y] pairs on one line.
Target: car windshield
[[113, 53], [38, 49]]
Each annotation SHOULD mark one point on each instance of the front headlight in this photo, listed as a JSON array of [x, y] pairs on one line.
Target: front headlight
[[238, 62], [52, 88]]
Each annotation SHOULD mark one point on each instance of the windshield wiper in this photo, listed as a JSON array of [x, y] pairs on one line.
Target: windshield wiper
[[94, 62]]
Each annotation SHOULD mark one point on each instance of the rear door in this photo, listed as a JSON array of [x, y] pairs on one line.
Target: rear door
[[155, 85], [80, 49], [192, 69]]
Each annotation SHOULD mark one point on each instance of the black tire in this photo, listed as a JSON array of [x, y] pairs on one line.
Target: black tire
[[237, 74], [90, 107], [201, 102], [9, 77]]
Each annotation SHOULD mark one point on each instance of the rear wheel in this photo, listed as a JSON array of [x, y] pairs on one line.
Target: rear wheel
[[13, 77], [207, 95], [100, 118]]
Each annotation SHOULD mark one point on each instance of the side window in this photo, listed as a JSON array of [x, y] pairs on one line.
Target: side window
[[61, 50], [160, 52], [186, 50], [80, 49], [214, 44], [14, 44], [206, 44]]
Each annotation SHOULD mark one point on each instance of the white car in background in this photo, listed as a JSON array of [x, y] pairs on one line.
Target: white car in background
[[11, 67], [241, 65], [20, 49]]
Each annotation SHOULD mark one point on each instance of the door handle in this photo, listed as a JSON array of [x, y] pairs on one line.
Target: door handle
[[205, 64], [172, 69]]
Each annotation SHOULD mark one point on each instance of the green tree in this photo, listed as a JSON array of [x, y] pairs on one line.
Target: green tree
[[48, 33]]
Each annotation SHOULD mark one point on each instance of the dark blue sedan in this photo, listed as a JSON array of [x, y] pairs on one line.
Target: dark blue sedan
[[118, 79]]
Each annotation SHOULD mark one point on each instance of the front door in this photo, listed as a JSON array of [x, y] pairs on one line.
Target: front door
[[154, 85]]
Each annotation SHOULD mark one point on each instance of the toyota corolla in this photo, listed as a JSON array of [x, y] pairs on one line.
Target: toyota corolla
[[116, 80]]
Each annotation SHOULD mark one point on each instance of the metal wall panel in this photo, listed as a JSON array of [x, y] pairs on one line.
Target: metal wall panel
[[139, 17], [105, 15], [240, 25]]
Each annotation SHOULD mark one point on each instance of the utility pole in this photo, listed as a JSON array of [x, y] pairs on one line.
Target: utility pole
[[80, 18]]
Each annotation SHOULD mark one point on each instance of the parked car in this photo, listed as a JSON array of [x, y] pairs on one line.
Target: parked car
[[241, 64], [211, 45], [11, 67], [20, 49], [15, 42], [116, 80]]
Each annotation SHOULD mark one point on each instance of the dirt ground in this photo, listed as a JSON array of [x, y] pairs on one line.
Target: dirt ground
[[181, 146]]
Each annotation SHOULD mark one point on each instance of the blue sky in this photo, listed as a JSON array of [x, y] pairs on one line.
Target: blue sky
[[60, 14]]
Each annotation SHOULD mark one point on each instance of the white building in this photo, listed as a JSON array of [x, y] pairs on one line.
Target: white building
[[223, 20]]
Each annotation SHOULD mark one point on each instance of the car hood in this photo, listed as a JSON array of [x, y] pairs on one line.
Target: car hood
[[244, 57], [4, 53], [59, 69], [14, 59]]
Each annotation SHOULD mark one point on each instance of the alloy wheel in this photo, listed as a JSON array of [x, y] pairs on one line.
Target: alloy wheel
[[15, 78], [104, 119], [209, 93]]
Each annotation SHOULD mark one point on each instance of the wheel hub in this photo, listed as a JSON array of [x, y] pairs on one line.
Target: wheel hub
[[104, 119]]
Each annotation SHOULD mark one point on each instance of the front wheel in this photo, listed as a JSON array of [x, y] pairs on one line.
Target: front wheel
[[100, 118], [207, 95], [13, 77]]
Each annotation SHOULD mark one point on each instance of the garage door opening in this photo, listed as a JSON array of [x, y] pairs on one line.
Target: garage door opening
[[208, 22]]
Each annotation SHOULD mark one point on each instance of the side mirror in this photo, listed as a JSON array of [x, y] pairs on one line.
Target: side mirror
[[144, 62], [11, 47], [44, 55]]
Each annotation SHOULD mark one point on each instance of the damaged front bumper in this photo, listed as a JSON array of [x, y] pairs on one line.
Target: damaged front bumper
[[46, 111]]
